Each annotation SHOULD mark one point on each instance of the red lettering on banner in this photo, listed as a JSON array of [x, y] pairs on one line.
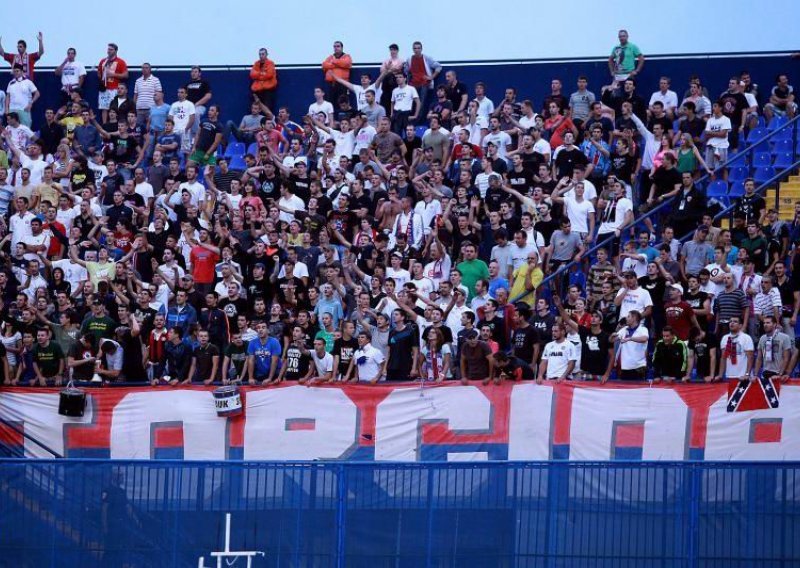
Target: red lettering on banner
[[561, 418], [366, 400], [699, 401]]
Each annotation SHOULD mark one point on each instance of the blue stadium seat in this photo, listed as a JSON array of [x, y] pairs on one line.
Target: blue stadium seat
[[718, 188], [783, 134], [253, 148], [782, 147], [737, 160], [777, 122], [737, 190], [783, 160], [234, 149], [420, 130], [738, 173], [761, 147], [762, 159], [237, 162], [764, 174], [756, 134], [761, 121]]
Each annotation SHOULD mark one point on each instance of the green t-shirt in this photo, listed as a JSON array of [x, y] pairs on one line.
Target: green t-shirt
[[624, 57], [101, 328], [471, 272], [48, 358], [328, 338]]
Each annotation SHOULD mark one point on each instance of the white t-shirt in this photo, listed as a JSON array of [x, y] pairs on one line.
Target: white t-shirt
[[345, 142], [20, 93], [293, 203], [558, 356], [669, 99], [323, 364], [543, 147], [715, 270], [20, 227], [578, 213], [42, 238], [368, 362], [742, 343], [424, 286], [66, 217], [400, 276], [324, 107], [364, 138], [181, 112], [403, 98], [519, 255], [21, 135], [718, 125], [485, 107], [617, 216], [71, 74], [35, 166], [146, 191], [633, 355], [73, 273], [637, 300], [638, 265], [500, 139], [361, 96], [196, 189], [476, 133]]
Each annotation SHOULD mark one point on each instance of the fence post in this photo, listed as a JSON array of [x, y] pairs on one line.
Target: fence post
[[341, 502], [429, 494], [553, 491], [694, 514]]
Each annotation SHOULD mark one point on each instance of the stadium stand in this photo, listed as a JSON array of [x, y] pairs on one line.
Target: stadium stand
[[405, 227]]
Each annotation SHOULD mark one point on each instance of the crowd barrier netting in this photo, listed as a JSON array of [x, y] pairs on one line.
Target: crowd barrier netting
[[342, 514]]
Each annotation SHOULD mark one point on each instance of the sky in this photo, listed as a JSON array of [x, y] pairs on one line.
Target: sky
[[230, 33]]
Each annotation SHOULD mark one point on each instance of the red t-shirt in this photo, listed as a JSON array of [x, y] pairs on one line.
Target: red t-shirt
[[116, 66], [203, 263], [679, 316], [417, 69], [27, 61], [55, 244]]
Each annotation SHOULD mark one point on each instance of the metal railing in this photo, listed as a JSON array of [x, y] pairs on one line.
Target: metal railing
[[565, 268], [498, 514]]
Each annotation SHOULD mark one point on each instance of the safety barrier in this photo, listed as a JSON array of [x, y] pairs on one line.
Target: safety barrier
[[497, 514]]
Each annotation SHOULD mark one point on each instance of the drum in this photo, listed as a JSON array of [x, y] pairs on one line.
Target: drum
[[228, 401], [71, 402]]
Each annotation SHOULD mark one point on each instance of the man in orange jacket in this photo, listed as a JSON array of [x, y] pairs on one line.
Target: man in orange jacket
[[265, 79], [337, 64]]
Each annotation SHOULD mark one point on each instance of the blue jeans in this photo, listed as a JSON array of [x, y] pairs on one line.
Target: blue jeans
[[424, 94]]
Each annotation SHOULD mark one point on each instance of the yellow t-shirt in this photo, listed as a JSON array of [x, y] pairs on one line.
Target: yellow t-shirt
[[518, 292]]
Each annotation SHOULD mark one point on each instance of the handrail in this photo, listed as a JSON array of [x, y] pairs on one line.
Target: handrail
[[761, 188], [564, 268]]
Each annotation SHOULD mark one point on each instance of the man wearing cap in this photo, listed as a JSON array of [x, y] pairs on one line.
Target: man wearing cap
[[696, 254], [632, 297]]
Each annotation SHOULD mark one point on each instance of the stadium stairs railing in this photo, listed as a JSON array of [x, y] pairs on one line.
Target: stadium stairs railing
[[746, 155]]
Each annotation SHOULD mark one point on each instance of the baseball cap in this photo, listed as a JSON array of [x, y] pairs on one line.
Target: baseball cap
[[678, 287], [703, 228], [629, 273]]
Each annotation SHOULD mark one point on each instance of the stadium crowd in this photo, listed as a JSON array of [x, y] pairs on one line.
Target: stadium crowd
[[400, 230]]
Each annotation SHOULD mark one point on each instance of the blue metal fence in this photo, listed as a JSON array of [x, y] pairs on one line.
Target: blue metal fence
[[107, 513]]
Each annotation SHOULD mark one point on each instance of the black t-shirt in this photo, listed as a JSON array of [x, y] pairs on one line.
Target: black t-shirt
[[594, 351], [80, 353], [125, 149], [666, 124], [522, 342], [297, 363], [498, 327], [232, 309], [544, 328], [208, 132], [566, 160], [665, 180], [521, 181], [517, 370], [204, 357], [604, 122], [622, 166], [344, 348], [750, 206], [132, 362], [732, 106], [656, 288], [196, 90], [702, 354], [400, 345], [446, 332], [455, 94], [696, 302]]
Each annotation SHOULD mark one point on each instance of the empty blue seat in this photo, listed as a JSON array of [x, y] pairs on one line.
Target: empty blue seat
[[737, 160], [782, 134], [253, 148], [234, 149], [783, 160], [782, 147], [737, 189], [777, 122], [420, 130], [756, 134], [718, 188], [763, 146], [237, 162], [764, 174], [738, 173], [762, 159]]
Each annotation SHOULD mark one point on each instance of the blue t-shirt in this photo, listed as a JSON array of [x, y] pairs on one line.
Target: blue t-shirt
[[173, 138], [158, 116], [263, 353]]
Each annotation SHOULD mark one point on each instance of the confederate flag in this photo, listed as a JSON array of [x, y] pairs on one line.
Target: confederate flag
[[753, 395]]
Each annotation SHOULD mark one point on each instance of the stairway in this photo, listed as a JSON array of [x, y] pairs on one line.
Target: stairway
[[790, 193]]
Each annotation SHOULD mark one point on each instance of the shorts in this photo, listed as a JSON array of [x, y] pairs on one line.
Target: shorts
[[104, 99], [186, 142], [199, 157], [715, 157], [781, 111]]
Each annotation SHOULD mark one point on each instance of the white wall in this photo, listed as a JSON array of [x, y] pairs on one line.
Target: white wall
[[229, 32]]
